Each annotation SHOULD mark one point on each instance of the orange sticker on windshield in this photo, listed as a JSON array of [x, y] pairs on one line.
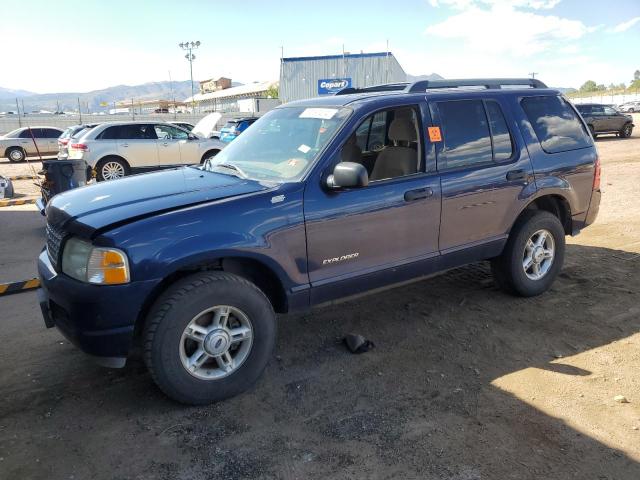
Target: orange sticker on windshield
[[434, 134]]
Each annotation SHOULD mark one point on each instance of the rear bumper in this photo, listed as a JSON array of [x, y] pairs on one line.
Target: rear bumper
[[594, 208], [97, 319]]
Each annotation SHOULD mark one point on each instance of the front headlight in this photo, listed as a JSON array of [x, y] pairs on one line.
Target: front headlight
[[99, 265]]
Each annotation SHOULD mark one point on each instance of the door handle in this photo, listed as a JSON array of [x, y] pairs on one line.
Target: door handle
[[517, 175], [418, 194], [165, 144], [124, 145]]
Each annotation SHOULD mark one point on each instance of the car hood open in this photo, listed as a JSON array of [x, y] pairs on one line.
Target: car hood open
[[98, 206]]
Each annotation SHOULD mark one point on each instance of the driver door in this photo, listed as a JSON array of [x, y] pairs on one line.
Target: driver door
[[169, 139], [383, 233]]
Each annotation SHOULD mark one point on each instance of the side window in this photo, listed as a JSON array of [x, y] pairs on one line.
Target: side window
[[609, 111], [556, 125], [39, 132], [111, 133], [27, 134], [52, 133], [387, 144], [371, 134], [466, 134], [597, 110], [502, 142], [166, 132], [138, 132]]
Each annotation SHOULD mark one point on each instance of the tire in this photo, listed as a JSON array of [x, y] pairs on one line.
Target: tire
[[508, 269], [626, 131], [208, 155], [108, 168], [16, 155], [167, 340]]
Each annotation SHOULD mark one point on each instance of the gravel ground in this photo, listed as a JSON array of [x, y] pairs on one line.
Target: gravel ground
[[464, 383]]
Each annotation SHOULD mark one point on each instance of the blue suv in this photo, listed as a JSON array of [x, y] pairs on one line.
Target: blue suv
[[319, 200], [233, 128]]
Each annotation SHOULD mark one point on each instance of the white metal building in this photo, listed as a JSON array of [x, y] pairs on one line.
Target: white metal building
[[227, 100], [306, 77]]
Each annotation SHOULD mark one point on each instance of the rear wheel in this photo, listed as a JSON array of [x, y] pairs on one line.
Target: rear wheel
[[16, 155], [626, 131], [533, 256], [209, 337], [111, 168]]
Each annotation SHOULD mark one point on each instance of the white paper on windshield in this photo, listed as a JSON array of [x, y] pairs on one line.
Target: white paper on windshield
[[321, 113], [304, 148]]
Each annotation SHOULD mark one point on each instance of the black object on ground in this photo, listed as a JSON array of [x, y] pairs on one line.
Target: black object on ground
[[357, 343]]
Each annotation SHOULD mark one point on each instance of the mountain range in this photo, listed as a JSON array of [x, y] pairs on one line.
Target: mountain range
[[90, 101]]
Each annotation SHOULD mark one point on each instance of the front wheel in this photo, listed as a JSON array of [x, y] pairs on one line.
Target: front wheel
[[533, 256], [209, 337], [209, 155], [626, 131]]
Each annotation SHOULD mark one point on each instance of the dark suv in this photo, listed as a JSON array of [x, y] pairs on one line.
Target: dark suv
[[606, 119], [319, 200]]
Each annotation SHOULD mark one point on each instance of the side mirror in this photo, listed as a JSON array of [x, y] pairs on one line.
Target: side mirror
[[348, 175], [192, 137]]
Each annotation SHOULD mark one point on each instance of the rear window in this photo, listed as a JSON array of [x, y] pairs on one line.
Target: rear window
[[557, 126]]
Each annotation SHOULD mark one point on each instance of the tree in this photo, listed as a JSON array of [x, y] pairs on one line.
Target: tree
[[600, 87], [636, 75], [635, 85], [272, 92], [589, 86]]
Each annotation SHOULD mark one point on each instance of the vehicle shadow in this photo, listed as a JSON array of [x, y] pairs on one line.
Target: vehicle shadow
[[441, 395]]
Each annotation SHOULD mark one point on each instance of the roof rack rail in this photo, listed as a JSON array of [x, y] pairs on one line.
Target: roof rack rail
[[424, 85], [489, 83], [385, 87]]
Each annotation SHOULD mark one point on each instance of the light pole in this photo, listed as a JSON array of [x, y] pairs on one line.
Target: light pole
[[189, 47]]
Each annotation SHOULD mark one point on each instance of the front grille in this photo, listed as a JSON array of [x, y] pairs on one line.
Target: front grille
[[54, 242]]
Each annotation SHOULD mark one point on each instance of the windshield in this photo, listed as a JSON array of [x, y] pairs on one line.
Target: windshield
[[281, 145]]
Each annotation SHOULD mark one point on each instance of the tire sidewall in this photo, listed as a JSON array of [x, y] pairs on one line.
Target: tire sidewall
[[522, 284], [170, 374]]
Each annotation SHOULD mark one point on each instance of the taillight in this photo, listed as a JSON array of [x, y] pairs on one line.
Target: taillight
[[63, 141], [596, 174], [79, 146]]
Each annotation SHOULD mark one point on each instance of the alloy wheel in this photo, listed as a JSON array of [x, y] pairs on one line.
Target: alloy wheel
[[539, 252], [216, 342]]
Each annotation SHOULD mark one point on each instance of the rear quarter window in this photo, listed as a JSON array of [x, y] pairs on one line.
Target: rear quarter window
[[557, 126]]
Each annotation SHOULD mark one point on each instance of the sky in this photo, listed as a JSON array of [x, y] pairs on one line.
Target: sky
[[68, 46]]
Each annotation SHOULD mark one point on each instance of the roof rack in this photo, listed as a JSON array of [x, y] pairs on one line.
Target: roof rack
[[424, 85]]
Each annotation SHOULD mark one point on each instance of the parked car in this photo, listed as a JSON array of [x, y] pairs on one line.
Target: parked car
[[205, 128], [606, 119], [185, 125], [18, 144], [192, 263], [116, 149], [69, 135], [629, 107], [233, 128]]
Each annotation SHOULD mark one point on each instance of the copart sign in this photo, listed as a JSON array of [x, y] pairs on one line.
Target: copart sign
[[332, 85]]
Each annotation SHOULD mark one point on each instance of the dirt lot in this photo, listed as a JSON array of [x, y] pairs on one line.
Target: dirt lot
[[465, 382]]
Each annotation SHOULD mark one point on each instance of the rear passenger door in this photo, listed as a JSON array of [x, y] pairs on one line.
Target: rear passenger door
[[51, 134], [136, 142], [485, 171]]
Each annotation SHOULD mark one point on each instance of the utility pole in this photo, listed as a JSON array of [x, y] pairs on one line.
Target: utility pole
[[18, 110], [533, 74], [79, 110], [189, 47]]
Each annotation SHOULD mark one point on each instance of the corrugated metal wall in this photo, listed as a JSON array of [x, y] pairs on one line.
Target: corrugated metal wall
[[299, 76]]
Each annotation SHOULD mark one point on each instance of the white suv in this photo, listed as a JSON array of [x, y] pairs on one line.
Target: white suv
[[116, 149]]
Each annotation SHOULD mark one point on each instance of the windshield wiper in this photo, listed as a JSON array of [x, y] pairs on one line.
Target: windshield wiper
[[230, 166]]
